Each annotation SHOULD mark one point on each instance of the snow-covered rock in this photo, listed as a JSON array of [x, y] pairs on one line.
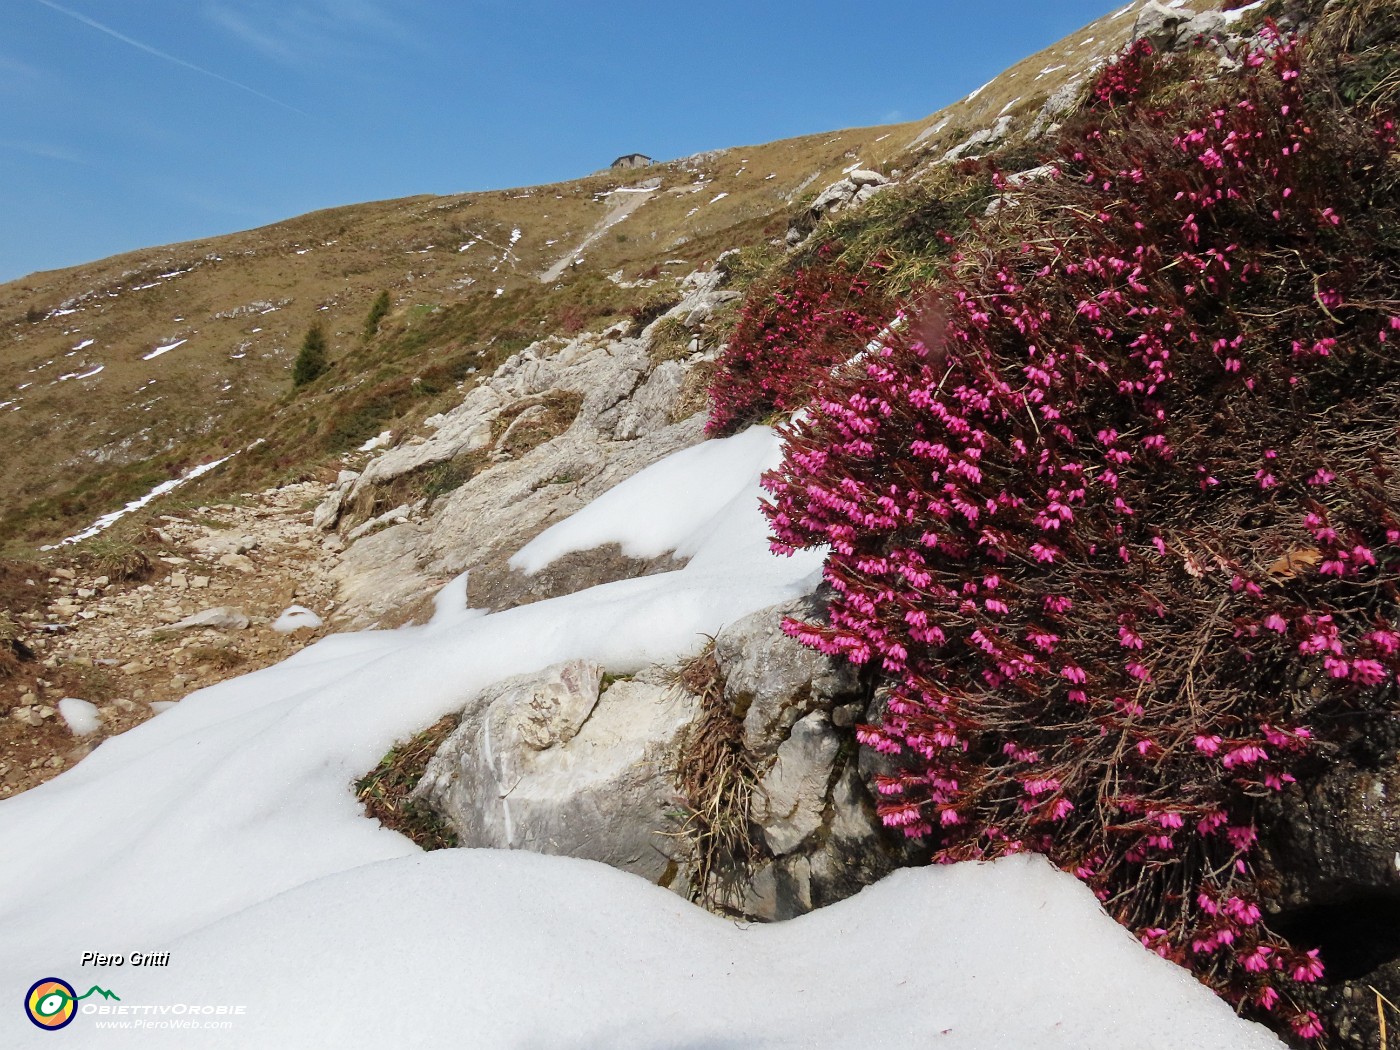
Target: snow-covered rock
[[80, 715], [295, 618]]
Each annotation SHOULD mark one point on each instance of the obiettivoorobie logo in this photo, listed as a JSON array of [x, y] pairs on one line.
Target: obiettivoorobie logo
[[51, 1003]]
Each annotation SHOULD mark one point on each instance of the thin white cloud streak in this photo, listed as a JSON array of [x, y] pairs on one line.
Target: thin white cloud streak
[[233, 23], [43, 151], [322, 31], [169, 58]]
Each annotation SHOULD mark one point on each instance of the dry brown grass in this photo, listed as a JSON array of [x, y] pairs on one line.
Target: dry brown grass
[[384, 790], [717, 777], [221, 657], [119, 558]]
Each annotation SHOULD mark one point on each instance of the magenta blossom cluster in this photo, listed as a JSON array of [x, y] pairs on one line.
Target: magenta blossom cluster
[[1116, 521], [786, 340], [1122, 81]]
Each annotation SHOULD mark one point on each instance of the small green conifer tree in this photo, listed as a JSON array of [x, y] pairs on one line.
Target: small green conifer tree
[[378, 310], [311, 360]]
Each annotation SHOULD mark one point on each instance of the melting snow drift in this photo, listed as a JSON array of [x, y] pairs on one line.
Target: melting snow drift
[[226, 834]]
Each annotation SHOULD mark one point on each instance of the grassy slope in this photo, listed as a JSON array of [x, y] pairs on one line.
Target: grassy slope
[[78, 447]]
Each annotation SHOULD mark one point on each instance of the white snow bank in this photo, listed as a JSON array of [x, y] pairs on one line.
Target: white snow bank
[[294, 618], [493, 949], [80, 375], [80, 715], [378, 441], [1240, 12], [163, 349], [669, 506], [242, 790], [108, 520]]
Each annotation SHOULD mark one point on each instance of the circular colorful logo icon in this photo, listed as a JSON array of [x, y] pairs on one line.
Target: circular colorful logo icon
[[51, 1003]]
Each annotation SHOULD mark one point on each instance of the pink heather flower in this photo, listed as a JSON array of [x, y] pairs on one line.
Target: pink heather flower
[[1208, 824], [1043, 553], [1257, 961], [901, 815], [1161, 546], [1246, 755], [1241, 837], [1150, 935], [1322, 477], [1138, 671], [1275, 622], [1280, 737], [1128, 639], [1243, 912], [1386, 641], [1011, 749], [1267, 997], [1367, 672], [1040, 785], [1061, 808], [1307, 1025], [1170, 820], [1207, 745], [1074, 674]]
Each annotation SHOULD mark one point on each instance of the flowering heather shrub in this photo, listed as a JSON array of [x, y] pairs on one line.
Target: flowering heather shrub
[[1122, 81], [1119, 521], [785, 342]]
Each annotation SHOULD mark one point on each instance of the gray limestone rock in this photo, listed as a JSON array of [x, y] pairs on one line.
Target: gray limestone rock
[[863, 177], [1160, 25], [221, 618], [976, 142], [1210, 25], [773, 680], [543, 762], [327, 512], [833, 197], [792, 796]]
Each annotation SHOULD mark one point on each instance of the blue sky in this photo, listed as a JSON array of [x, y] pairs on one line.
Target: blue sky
[[131, 123]]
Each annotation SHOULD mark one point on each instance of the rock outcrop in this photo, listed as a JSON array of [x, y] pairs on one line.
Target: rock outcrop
[[631, 412], [852, 191], [554, 764], [559, 763]]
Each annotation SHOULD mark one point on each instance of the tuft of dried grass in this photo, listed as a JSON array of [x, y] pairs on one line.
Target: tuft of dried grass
[[717, 777], [384, 790], [118, 558]]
